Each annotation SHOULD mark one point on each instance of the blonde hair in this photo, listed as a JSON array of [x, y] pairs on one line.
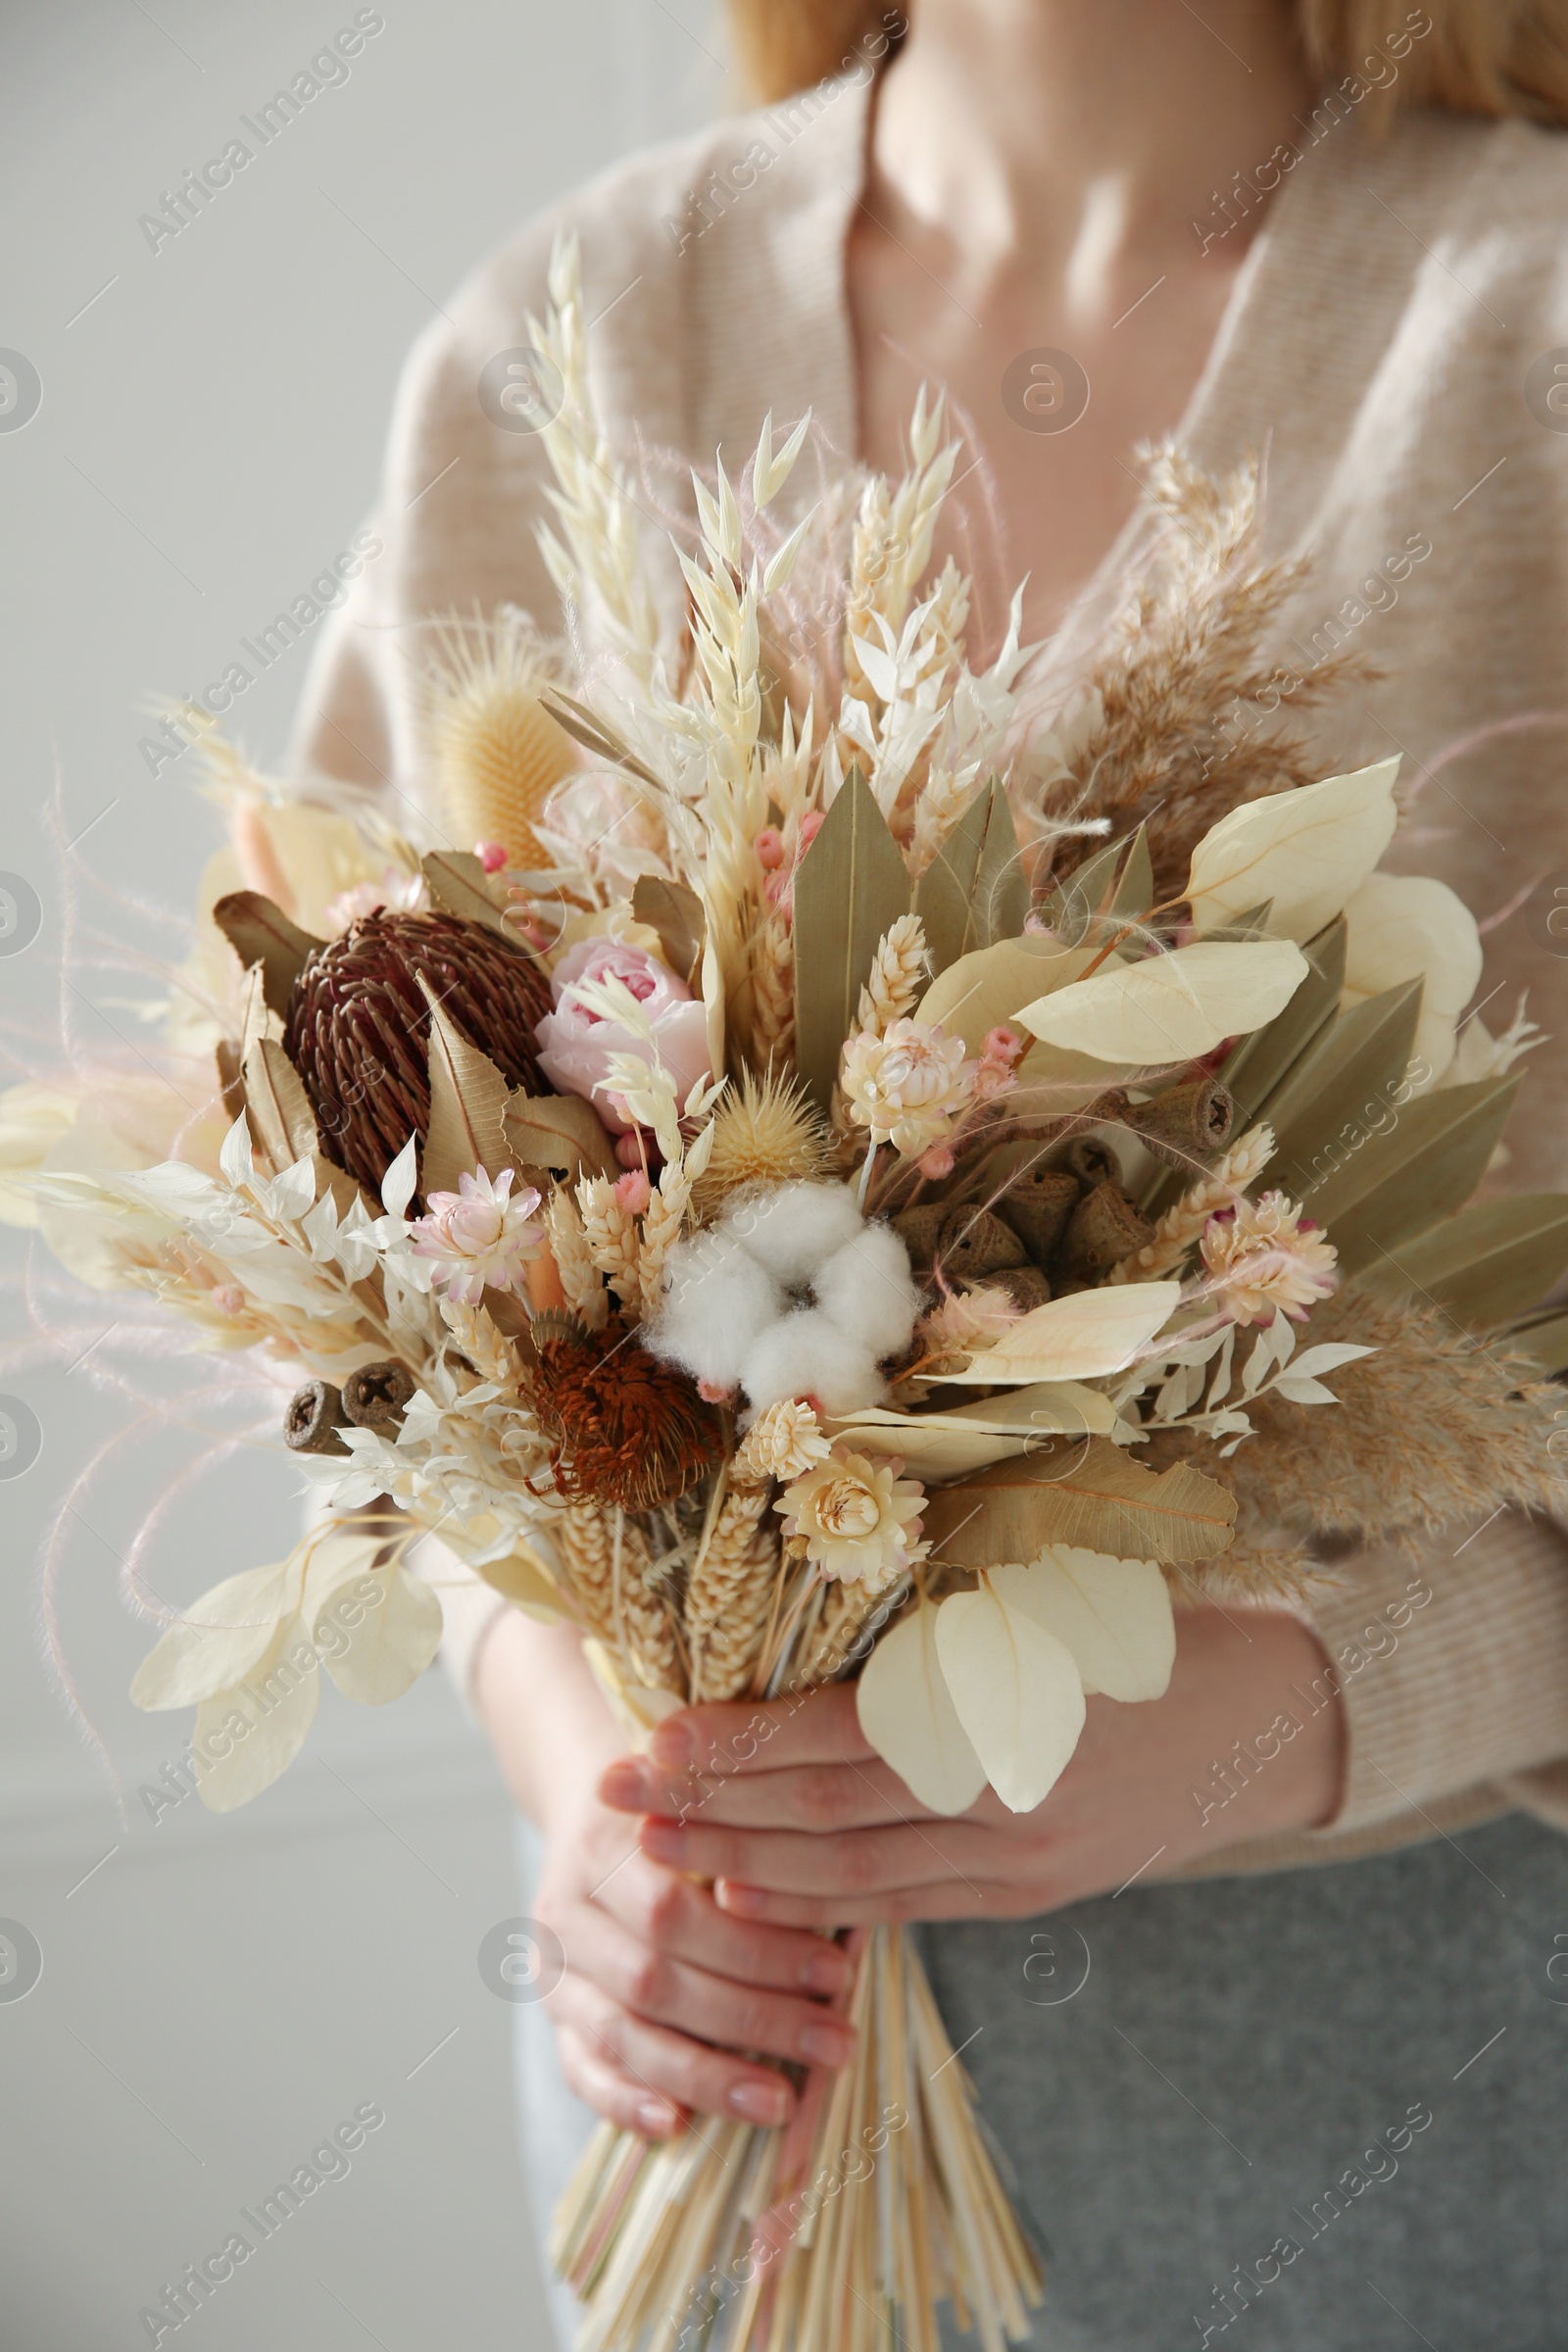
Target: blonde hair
[[1479, 57]]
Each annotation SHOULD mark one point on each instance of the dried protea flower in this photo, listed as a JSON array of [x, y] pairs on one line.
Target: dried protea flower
[[497, 754], [358, 1029], [622, 1428]]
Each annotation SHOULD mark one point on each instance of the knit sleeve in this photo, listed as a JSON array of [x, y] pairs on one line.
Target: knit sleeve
[[470, 1610], [1451, 1665]]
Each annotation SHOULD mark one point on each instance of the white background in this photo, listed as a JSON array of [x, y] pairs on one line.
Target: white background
[[221, 1993]]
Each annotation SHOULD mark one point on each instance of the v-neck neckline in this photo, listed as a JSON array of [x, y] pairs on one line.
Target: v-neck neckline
[[1265, 271]]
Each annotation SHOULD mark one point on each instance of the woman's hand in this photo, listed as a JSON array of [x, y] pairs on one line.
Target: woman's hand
[[799, 1824], [660, 1989]]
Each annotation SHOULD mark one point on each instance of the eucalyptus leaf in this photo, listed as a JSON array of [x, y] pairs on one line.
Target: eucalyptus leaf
[[1117, 880], [1095, 1496], [850, 887], [986, 988]]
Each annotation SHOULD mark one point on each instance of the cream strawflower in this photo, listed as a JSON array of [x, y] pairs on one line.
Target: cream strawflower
[[857, 1519], [478, 1235], [784, 1442], [908, 1086], [1262, 1255]]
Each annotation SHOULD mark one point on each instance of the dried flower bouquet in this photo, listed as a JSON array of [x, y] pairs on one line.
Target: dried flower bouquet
[[821, 1187]]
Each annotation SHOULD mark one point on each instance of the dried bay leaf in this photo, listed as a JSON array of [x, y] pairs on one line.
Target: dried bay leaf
[[676, 915], [1095, 1496], [559, 1132], [850, 887], [467, 1106], [278, 1109], [260, 932], [455, 879]]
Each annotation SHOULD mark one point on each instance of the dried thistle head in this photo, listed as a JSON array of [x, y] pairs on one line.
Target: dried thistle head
[[497, 754], [765, 1131], [622, 1428]]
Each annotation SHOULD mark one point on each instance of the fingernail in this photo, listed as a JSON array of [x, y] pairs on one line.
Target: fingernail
[[826, 1971], [745, 1902], [623, 1785], [671, 1745], [655, 2118], [759, 2102], [826, 2045]]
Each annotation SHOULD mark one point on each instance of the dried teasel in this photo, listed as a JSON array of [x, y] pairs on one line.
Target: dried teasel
[[621, 1428], [765, 1131]]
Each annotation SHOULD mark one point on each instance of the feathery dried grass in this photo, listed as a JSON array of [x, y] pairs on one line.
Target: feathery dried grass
[[1435, 1428], [1185, 649]]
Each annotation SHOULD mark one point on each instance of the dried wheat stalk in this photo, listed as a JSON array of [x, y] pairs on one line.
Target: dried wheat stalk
[[491, 1353], [774, 991], [580, 1278], [730, 1596], [607, 1558], [1181, 1227], [611, 1233], [663, 1221], [896, 972]]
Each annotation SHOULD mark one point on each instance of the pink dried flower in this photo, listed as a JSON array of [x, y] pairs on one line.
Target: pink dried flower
[[1264, 1255], [493, 856], [577, 1045], [809, 826], [936, 1162], [769, 846], [1001, 1045], [478, 1235], [634, 1192]]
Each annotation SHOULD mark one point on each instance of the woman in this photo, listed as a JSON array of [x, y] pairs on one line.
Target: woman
[[1328, 232]]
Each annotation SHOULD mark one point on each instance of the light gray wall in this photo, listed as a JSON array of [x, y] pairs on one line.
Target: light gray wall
[[219, 1994]]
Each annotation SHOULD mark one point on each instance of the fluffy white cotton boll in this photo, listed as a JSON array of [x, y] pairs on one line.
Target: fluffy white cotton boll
[[792, 1228], [868, 1290], [717, 1302], [804, 1354]]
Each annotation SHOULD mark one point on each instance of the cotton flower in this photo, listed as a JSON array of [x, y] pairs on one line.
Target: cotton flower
[[478, 1235], [858, 1521], [908, 1086], [791, 1295], [1262, 1255], [577, 1045]]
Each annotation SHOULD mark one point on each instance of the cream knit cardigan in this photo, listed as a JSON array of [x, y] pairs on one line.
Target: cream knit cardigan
[[1374, 351]]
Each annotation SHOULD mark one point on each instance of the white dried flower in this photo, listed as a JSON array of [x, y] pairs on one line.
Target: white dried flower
[[857, 1518], [478, 1235], [783, 1443], [1263, 1254], [908, 1086]]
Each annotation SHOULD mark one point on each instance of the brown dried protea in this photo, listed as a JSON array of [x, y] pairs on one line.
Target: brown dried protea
[[621, 1427], [357, 1028]]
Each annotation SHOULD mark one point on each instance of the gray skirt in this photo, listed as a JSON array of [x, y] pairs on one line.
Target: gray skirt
[[1321, 2110]]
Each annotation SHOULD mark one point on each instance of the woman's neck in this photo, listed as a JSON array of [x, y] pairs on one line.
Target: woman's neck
[[1078, 135]]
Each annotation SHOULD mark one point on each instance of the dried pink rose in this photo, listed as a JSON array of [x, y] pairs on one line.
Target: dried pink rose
[[575, 1044]]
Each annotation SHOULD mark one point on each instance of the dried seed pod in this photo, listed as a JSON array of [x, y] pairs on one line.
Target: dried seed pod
[[314, 1419], [1091, 1162], [973, 1243], [1037, 1205], [919, 1229], [1103, 1230], [1185, 1124], [377, 1395], [1025, 1286]]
